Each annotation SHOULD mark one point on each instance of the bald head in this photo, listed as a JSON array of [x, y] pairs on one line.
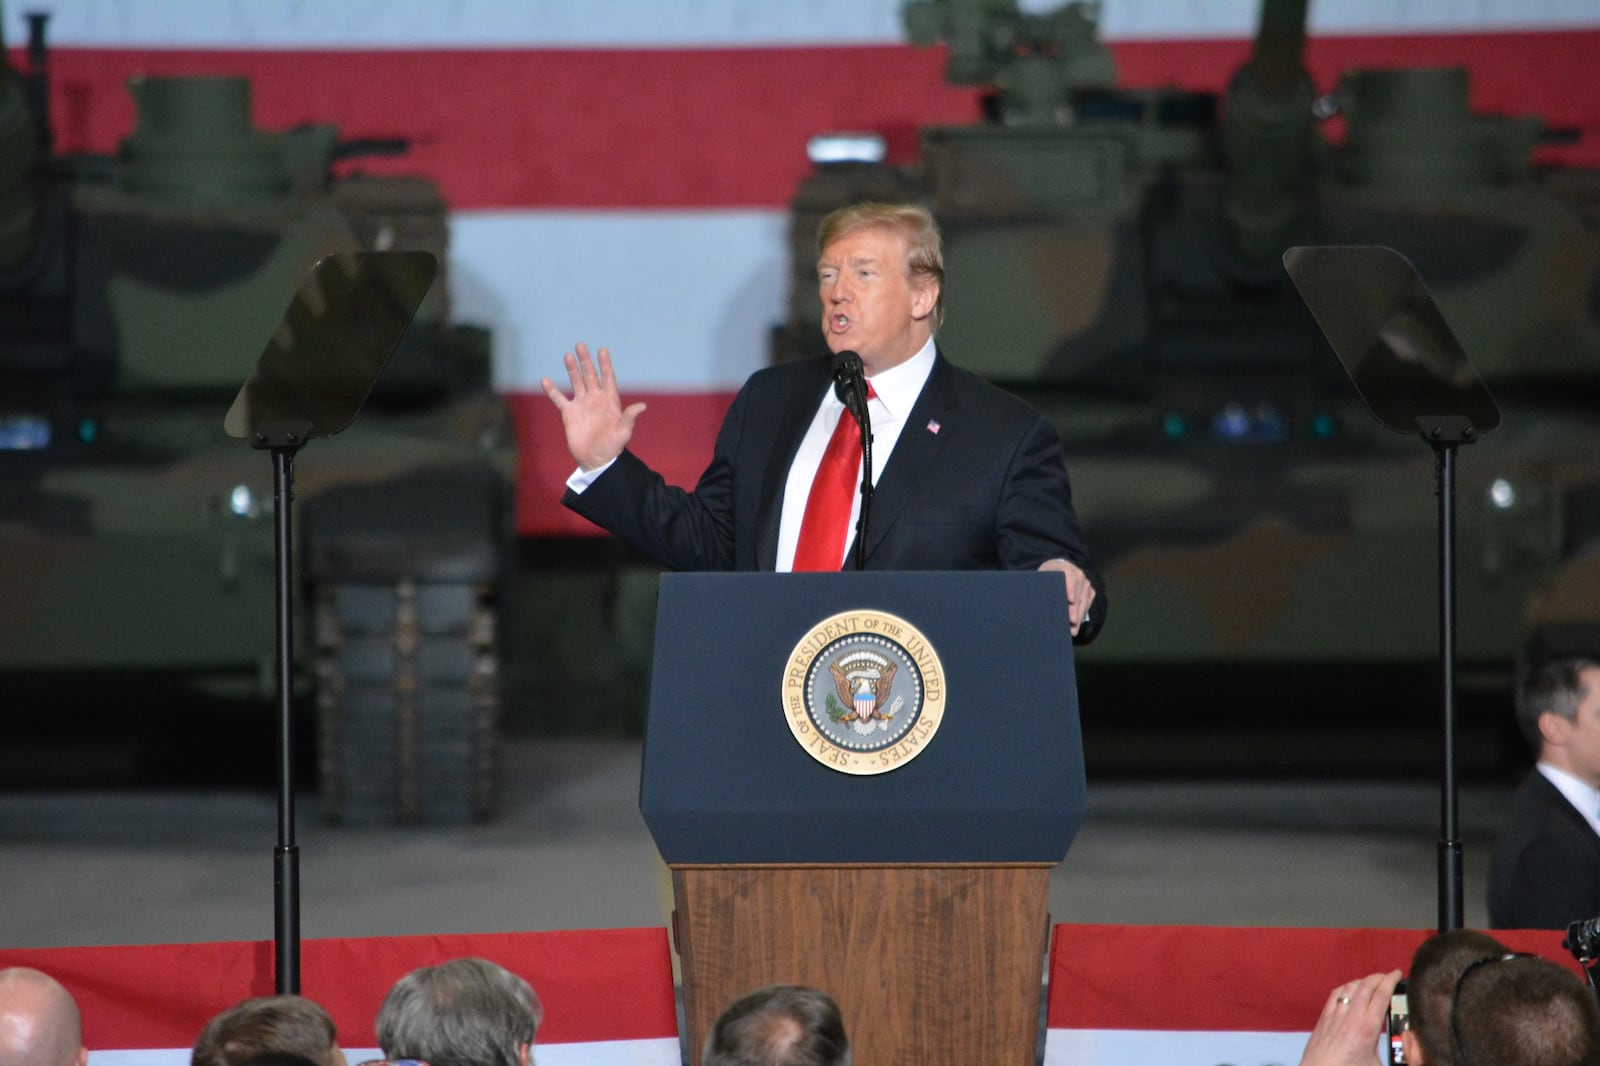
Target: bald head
[[39, 1023]]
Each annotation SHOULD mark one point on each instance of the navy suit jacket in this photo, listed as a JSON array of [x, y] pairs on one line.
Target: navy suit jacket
[[976, 481], [1545, 873]]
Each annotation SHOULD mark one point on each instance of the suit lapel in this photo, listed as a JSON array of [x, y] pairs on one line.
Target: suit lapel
[[919, 443], [793, 421], [1570, 814]]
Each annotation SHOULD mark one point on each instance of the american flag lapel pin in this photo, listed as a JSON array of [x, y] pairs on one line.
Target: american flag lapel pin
[[933, 426]]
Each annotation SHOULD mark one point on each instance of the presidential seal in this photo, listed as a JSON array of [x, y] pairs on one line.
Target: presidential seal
[[863, 692]]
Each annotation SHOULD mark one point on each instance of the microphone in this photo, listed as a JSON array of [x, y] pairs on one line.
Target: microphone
[[850, 384]]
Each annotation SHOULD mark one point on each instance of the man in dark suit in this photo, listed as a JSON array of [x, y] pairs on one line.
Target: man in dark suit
[[1545, 873], [966, 476]]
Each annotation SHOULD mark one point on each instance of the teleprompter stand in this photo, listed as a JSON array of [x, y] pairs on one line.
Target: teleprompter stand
[[1414, 377], [340, 329], [917, 897]]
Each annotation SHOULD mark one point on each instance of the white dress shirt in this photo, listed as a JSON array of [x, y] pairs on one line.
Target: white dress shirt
[[896, 390]]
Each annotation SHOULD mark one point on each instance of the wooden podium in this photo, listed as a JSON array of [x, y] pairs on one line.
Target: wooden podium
[[917, 897]]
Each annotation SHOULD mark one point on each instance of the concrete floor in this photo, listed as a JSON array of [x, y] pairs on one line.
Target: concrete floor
[[569, 850]]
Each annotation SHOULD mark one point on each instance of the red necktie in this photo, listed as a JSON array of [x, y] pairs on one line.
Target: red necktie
[[826, 522]]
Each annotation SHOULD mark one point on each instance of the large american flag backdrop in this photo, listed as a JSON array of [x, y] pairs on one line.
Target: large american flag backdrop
[[619, 168]]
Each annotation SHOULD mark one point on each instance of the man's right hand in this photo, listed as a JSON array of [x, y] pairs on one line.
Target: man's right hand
[[598, 426]]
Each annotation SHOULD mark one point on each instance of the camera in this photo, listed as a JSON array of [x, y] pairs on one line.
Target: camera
[[1398, 1022], [1583, 940]]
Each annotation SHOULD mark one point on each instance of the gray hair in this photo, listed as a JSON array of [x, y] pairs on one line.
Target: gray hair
[[779, 1025], [1554, 687], [465, 1012]]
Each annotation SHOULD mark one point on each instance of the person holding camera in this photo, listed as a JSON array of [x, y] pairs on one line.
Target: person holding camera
[[1346, 1033], [1469, 1002], [1545, 872]]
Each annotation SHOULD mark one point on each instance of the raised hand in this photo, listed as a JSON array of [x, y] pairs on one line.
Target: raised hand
[[598, 427], [1347, 1032]]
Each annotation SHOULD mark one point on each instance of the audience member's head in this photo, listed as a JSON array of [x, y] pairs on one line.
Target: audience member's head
[[779, 1025], [1519, 1010], [265, 1029], [39, 1021], [465, 1012], [1431, 987]]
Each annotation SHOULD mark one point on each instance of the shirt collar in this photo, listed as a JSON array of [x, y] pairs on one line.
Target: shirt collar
[[1578, 792], [898, 387]]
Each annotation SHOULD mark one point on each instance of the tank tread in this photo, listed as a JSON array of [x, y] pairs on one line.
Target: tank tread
[[407, 702]]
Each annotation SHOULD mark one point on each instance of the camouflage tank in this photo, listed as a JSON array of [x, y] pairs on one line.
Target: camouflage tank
[[136, 294], [1114, 256]]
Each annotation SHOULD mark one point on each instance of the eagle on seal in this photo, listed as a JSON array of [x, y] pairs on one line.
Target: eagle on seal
[[863, 694]]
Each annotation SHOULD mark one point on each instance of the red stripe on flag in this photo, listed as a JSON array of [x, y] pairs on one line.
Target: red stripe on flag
[[153, 996], [675, 437], [556, 129], [1499, 63], [160, 996], [676, 128], [1209, 978]]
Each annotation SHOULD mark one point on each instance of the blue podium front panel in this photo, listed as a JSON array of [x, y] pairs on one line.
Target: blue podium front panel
[[959, 728]]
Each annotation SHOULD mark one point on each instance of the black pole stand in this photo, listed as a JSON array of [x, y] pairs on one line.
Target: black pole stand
[[1413, 375], [316, 371], [1444, 435], [286, 856], [862, 524]]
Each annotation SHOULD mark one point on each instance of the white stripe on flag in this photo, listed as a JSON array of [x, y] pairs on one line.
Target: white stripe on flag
[[663, 1051], [1159, 19], [660, 1052], [683, 299], [1141, 1047], [291, 24], [166, 1056]]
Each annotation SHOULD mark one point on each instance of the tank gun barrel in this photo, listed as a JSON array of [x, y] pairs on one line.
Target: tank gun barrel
[[1267, 134], [19, 152], [37, 83], [366, 147]]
